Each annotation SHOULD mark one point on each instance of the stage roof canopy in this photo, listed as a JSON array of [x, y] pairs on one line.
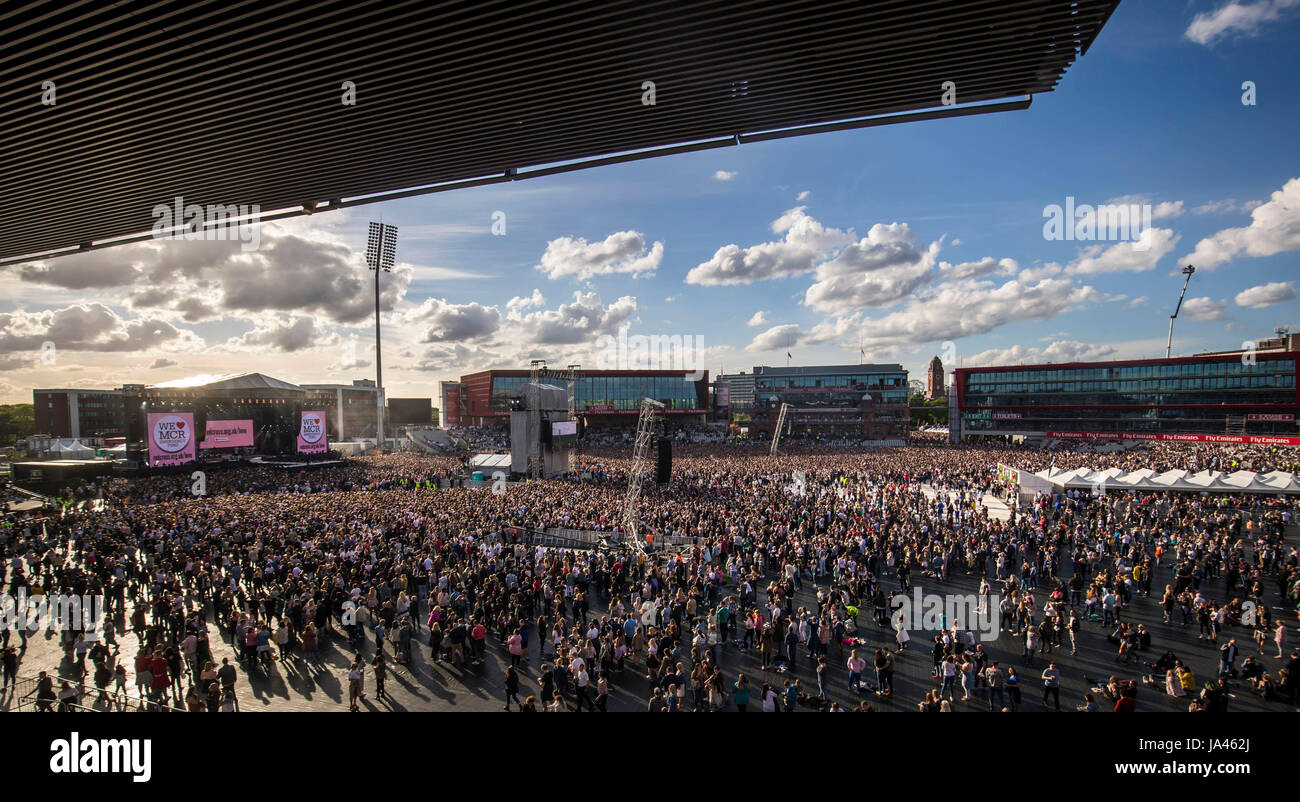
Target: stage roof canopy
[[242, 102]]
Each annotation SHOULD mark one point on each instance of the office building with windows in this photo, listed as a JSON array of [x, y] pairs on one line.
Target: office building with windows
[[603, 396], [1248, 397]]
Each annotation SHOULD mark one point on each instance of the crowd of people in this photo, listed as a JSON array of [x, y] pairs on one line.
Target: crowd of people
[[779, 601]]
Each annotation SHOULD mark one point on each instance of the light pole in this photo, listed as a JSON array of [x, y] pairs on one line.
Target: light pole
[[1169, 345], [381, 246]]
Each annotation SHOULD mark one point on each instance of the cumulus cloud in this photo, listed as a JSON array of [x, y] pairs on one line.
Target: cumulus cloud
[[776, 338], [1258, 297], [879, 270], [1058, 352], [1203, 309], [963, 309], [520, 302], [90, 327], [286, 335], [1274, 228], [586, 318], [803, 196], [297, 269], [759, 319], [988, 266], [1139, 256], [448, 322], [623, 252], [805, 243], [162, 362], [1242, 19], [456, 359], [724, 175]]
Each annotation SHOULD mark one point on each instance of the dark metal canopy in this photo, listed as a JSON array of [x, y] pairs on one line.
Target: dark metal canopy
[[241, 101]]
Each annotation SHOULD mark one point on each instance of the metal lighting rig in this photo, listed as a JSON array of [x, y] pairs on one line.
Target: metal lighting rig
[[647, 426], [780, 427]]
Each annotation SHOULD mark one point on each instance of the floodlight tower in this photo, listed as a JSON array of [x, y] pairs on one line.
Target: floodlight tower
[[1169, 346], [381, 247]]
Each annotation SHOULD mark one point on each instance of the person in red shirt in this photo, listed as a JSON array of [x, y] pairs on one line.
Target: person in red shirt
[[161, 680], [1125, 704], [479, 634]]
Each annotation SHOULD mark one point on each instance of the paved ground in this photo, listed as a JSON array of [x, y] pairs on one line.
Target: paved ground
[[297, 685]]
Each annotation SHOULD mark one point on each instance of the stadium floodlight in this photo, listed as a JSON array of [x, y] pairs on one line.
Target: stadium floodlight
[[1169, 345], [381, 248]]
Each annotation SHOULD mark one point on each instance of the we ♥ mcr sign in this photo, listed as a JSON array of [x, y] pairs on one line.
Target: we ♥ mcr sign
[[312, 438], [171, 438]]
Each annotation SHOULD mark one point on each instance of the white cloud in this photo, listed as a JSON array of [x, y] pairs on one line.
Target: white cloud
[[286, 335], [1142, 255], [879, 270], [578, 322], [623, 252], [759, 319], [1058, 352], [1244, 19], [988, 266], [1138, 301], [964, 309], [776, 338], [1275, 292], [723, 175], [806, 242], [90, 327], [162, 362], [803, 196], [1227, 207], [1159, 211], [296, 269], [1274, 228], [448, 322], [521, 302], [1203, 309], [1167, 209]]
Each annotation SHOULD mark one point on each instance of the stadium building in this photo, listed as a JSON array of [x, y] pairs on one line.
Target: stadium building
[[1247, 397], [867, 401], [604, 397], [78, 413], [350, 407]]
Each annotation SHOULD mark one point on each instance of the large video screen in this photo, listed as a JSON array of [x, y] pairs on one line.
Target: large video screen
[[564, 428]]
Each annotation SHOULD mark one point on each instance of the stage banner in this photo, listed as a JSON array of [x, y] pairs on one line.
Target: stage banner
[[311, 434], [228, 434], [171, 438]]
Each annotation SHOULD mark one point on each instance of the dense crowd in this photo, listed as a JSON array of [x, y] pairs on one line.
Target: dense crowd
[[794, 558]]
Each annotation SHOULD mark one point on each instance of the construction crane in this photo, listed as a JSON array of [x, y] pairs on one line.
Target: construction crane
[[1169, 346]]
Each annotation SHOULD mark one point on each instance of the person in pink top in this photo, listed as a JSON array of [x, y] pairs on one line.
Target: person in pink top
[[515, 644], [856, 664]]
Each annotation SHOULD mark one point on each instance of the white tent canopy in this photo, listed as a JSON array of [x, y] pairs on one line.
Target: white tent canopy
[[1177, 480]]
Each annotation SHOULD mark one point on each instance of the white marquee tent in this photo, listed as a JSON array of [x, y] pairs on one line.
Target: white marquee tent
[[1177, 480]]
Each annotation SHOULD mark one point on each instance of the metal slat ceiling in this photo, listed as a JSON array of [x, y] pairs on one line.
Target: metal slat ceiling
[[239, 102]]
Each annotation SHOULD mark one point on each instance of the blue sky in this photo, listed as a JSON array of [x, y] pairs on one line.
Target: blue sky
[[890, 240]]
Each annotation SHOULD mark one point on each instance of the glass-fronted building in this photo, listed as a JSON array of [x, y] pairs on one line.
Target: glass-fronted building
[[604, 396], [1215, 396], [868, 401]]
